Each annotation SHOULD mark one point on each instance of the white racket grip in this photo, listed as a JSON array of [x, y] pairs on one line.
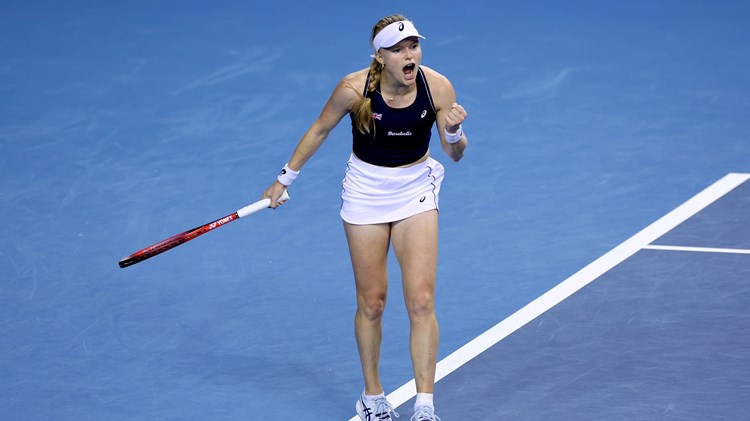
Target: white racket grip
[[260, 205]]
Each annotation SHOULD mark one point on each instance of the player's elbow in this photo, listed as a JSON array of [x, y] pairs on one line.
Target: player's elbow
[[455, 152]]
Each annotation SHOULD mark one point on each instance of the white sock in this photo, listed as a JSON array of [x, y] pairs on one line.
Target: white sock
[[370, 398], [423, 399]]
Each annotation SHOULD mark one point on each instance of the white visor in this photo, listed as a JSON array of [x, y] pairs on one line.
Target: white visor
[[393, 34]]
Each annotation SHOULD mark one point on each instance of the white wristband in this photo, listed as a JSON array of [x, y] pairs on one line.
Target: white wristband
[[454, 137], [287, 175]]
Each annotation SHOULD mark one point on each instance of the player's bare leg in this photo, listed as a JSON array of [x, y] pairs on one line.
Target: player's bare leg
[[415, 243], [368, 247]]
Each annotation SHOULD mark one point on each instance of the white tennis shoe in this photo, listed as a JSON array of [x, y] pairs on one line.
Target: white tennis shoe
[[379, 410], [424, 413]]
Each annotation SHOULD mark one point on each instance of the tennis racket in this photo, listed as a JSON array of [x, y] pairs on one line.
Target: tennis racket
[[188, 235]]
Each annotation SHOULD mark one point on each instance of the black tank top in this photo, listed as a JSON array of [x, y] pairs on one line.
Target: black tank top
[[401, 135]]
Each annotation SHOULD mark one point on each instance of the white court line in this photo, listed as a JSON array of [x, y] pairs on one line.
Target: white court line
[[574, 283], [697, 249]]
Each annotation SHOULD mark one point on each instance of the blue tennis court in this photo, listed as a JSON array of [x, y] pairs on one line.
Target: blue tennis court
[[593, 241]]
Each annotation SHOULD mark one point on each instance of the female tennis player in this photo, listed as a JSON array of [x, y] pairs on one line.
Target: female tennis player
[[390, 196]]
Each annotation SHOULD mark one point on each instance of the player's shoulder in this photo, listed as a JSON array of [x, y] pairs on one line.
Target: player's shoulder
[[440, 86], [435, 79], [349, 89], [355, 80]]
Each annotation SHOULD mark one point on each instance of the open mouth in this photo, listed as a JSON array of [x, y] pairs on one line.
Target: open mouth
[[409, 69]]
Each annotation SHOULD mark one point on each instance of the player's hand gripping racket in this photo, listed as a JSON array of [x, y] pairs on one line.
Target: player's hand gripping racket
[[186, 236]]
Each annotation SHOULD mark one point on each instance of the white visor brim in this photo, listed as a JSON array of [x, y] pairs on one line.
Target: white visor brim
[[393, 34]]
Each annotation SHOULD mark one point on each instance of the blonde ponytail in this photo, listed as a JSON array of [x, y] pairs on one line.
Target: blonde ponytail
[[363, 107]]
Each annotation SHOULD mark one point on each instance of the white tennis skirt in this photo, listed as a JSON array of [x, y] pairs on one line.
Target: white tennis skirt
[[374, 195]]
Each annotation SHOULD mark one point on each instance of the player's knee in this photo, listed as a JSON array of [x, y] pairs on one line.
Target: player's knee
[[372, 306], [421, 304]]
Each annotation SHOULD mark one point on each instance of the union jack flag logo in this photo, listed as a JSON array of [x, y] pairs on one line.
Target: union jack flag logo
[[377, 116]]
